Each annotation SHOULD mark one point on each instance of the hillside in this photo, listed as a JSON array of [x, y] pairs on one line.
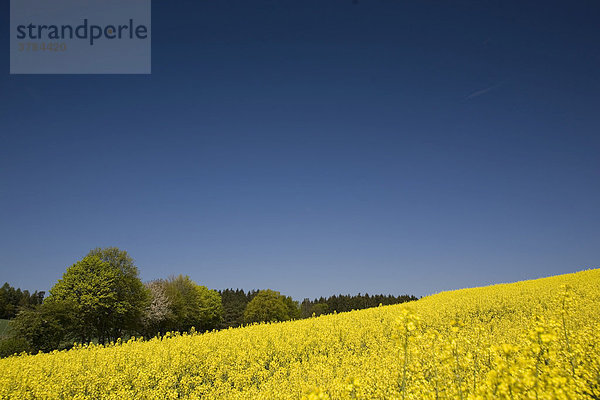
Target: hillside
[[531, 339]]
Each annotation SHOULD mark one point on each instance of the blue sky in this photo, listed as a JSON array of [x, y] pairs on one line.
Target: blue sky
[[317, 147]]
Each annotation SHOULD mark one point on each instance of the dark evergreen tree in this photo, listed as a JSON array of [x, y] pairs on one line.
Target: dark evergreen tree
[[13, 300], [343, 303], [234, 304]]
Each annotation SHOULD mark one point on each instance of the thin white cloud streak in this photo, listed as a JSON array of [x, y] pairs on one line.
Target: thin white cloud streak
[[484, 91]]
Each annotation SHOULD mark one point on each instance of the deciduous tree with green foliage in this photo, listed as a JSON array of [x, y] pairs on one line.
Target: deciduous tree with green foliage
[[211, 308], [292, 307], [106, 293], [267, 306], [46, 327], [192, 305]]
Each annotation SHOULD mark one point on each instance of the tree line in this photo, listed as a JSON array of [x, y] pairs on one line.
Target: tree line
[[235, 306], [101, 298], [12, 300], [343, 303]]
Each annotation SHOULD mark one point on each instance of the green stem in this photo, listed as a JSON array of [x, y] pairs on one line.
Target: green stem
[[405, 366], [564, 323]]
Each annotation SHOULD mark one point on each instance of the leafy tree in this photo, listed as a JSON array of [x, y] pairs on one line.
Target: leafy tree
[[320, 309], [159, 312], [267, 305], [129, 289], [106, 293], [211, 308], [192, 305], [117, 259], [293, 309], [45, 327]]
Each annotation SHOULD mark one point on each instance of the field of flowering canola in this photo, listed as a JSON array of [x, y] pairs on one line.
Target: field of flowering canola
[[527, 340]]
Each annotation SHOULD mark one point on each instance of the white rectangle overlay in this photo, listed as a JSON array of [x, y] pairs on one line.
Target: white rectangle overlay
[[80, 37]]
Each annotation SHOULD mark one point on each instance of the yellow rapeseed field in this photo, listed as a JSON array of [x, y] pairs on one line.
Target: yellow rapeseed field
[[527, 340]]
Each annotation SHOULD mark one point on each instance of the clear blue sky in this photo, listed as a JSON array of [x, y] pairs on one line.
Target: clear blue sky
[[317, 147]]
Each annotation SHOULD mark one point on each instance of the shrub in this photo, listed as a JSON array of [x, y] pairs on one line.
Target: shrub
[[13, 345]]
